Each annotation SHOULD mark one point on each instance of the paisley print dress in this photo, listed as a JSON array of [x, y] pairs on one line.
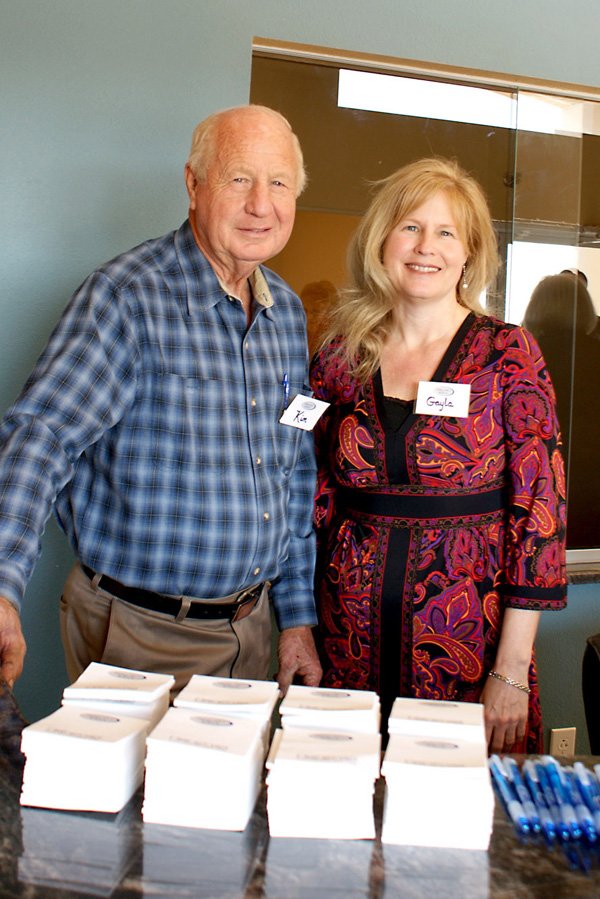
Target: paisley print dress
[[429, 527]]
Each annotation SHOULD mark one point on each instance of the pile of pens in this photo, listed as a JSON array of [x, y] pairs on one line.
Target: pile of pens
[[556, 803]]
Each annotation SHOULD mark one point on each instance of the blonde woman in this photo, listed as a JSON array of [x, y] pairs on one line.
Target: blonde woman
[[441, 522]]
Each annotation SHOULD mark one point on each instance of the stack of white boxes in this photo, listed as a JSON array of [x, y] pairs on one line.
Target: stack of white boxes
[[356, 711], [88, 755], [205, 759], [83, 759], [438, 787], [231, 696], [121, 691], [203, 770], [323, 765]]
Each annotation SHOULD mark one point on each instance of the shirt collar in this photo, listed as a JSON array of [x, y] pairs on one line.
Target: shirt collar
[[203, 287], [260, 288]]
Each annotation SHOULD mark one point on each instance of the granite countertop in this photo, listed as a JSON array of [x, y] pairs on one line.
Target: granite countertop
[[120, 856]]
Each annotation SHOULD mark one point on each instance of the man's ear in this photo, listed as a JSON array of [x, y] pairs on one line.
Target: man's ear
[[191, 182]]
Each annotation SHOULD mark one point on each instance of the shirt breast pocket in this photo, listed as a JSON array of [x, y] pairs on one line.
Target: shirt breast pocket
[[175, 414]]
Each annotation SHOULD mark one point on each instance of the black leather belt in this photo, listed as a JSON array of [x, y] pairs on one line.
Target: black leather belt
[[240, 606]]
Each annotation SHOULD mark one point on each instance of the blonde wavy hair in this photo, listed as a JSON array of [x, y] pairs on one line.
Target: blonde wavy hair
[[362, 313]]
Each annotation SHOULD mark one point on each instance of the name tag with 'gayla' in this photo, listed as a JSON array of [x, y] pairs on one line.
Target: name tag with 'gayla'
[[303, 412], [441, 398]]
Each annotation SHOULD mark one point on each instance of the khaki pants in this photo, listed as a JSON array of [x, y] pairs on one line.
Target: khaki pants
[[98, 627]]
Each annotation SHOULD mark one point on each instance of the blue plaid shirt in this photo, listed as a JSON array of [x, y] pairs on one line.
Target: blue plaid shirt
[[151, 424]]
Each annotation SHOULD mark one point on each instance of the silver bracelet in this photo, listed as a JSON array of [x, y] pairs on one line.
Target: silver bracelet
[[508, 680]]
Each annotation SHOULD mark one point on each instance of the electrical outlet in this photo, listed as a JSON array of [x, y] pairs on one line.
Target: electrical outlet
[[562, 741]]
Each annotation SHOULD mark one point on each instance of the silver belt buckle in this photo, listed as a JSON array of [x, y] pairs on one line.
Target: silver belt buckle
[[250, 593]]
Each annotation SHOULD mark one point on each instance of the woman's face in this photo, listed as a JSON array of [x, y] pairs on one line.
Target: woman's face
[[424, 254]]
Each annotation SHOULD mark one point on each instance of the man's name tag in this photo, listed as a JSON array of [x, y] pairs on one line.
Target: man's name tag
[[441, 398], [303, 412]]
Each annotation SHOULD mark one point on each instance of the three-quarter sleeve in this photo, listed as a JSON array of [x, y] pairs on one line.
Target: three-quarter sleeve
[[535, 567]]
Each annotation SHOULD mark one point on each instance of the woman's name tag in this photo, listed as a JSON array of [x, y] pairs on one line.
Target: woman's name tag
[[303, 412], [442, 398]]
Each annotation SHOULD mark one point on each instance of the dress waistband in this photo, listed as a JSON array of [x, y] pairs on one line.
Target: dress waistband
[[408, 507]]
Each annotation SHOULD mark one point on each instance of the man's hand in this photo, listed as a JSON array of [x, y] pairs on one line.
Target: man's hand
[[298, 657], [12, 643]]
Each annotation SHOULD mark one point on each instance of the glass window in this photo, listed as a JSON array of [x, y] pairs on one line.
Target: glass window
[[553, 282], [537, 156]]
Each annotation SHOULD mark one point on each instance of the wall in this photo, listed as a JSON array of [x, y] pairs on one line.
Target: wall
[[320, 246], [98, 104], [314, 263]]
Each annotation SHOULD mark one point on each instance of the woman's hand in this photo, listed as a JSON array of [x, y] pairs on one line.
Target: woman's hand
[[505, 706], [505, 711]]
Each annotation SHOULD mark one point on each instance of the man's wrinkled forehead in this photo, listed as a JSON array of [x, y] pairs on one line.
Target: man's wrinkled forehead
[[240, 134]]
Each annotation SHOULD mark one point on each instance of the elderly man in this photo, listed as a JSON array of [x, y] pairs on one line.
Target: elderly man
[[151, 424]]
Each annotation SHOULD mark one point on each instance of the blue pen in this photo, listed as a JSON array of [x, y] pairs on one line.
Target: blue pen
[[285, 383], [533, 785], [562, 798], [590, 790], [513, 806], [529, 808], [577, 797], [561, 828]]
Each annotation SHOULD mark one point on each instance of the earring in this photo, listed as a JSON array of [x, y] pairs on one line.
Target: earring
[[465, 283]]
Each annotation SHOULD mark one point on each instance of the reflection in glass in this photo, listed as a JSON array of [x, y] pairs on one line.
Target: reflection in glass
[[555, 211], [562, 317]]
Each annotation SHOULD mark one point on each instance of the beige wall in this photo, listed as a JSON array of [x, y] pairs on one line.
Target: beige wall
[[317, 249], [315, 254]]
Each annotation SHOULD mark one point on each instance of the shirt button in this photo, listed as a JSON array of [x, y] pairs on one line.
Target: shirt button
[[266, 516], [253, 402], [257, 571], [246, 345], [258, 460]]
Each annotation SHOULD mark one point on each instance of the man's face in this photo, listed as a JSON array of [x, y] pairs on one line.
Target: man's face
[[244, 210]]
